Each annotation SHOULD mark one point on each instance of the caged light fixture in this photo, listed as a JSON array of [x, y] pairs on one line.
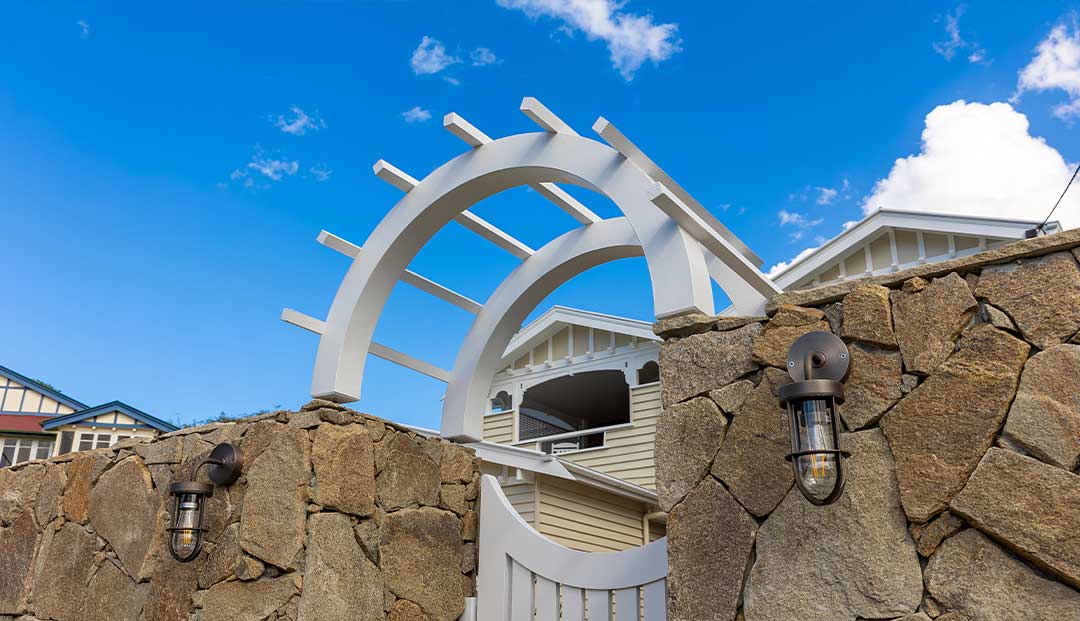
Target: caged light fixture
[[818, 363], [189, 500]]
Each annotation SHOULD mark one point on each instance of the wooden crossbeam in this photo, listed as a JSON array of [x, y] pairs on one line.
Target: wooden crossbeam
[[407, 361], [545, 118], [711, 239], [630, 151], [318, 326], [476, 138], [446, 294], [402, 181]]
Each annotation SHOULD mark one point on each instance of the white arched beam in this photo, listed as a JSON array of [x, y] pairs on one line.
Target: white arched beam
[[675, 259], [480, 355]]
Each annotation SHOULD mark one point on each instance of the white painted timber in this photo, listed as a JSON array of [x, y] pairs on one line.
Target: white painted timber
[[519, 565], [480, 355], [441, 292], [465, 130], [675, 259], [300, 320], [475, 138], [493, 234], [611, 134], [426, 285], [394, 176], [339, 244], [740, 271], [545, 118], [405, 360], [311, 324]]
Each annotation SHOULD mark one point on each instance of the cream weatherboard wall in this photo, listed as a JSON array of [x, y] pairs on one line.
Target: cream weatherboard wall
[[499, 427], [585, 518]]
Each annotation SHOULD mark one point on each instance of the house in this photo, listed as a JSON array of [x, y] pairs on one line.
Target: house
[[38, 422], [570, 423]]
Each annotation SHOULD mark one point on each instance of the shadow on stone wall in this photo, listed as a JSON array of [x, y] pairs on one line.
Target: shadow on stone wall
[[963, 420], [337, 515]]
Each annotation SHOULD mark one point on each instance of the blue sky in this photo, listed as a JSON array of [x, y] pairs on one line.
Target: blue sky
[[164, 169]]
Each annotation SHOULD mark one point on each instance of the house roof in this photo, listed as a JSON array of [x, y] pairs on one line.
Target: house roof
[[557, 317], [39, 387], [22, 423], [867, 229], [105, 408]]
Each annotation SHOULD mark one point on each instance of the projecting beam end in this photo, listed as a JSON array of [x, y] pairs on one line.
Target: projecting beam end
[[465, 130], [545, 118], [300, 320], [394, 176], [334, 242]]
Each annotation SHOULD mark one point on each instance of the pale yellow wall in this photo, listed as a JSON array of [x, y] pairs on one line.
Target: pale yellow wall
[[628, 453], [585, 518], [499, 427]]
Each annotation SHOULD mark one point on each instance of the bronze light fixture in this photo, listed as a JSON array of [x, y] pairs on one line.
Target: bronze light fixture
[[818, 363], [189, 500]]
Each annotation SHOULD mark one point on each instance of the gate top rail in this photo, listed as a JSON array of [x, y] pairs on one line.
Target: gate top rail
[[504, 534]]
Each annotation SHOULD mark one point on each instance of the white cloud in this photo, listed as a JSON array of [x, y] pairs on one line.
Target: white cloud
[[631, 39], [483, 56], [956, 42], [321, 172], [452, 81], [979, 159], [416, 115], [826, 195], [300, 124], [783, 265], [430, 57], [84, 28], [797, 219], [1056, 66], [273, 169]]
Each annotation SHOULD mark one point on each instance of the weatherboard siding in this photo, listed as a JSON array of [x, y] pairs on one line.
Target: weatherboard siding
[[629, 453], [585, 518], [499, 428]]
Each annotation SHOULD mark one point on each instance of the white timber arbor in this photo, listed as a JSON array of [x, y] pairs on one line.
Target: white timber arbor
[[684, 246]]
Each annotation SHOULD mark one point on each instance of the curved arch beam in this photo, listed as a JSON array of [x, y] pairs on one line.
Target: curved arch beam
[[675, 260], [501, 317]]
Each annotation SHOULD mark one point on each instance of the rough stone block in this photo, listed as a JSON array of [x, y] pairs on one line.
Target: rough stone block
[[272, 527], [339, 581], [688, 436], [872, 386], [696, 364], [851, 559], [940, 431], [1044, 419], [1028, 506], [869, 316], [787, 325], [130, 530], [247, 601], [420, 556], [409, 477], [710, 538], [973, 578], [344, 462], [928, 317], [1042, 295]]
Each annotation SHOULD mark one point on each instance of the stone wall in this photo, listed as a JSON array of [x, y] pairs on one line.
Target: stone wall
[[337, 515], [963, 422]]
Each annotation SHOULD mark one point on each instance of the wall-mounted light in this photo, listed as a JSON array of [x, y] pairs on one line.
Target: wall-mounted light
[[818, 363], [189, 500]]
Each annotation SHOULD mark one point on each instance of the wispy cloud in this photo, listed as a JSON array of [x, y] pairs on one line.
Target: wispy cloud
[[783, 265], [320, 172], [483, 56], [84, 28], [1056, 66], [430, 57], [416, 115], [631, 38], [275, 170], [956, 41], [826, 196], [796, 219], [452, 81], [300, 123]]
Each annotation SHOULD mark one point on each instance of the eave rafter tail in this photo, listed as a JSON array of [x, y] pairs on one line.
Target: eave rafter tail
[[405, 182], [618, 141], [473, 137], [410, 277], [318, 326]]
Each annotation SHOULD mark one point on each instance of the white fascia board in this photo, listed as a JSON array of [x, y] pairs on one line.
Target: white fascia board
[[608, 483], [618, 141], [870, 226], [525, 459], [618, 361]]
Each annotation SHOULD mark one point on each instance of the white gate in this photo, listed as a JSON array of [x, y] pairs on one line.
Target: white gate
[[524, 576]]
